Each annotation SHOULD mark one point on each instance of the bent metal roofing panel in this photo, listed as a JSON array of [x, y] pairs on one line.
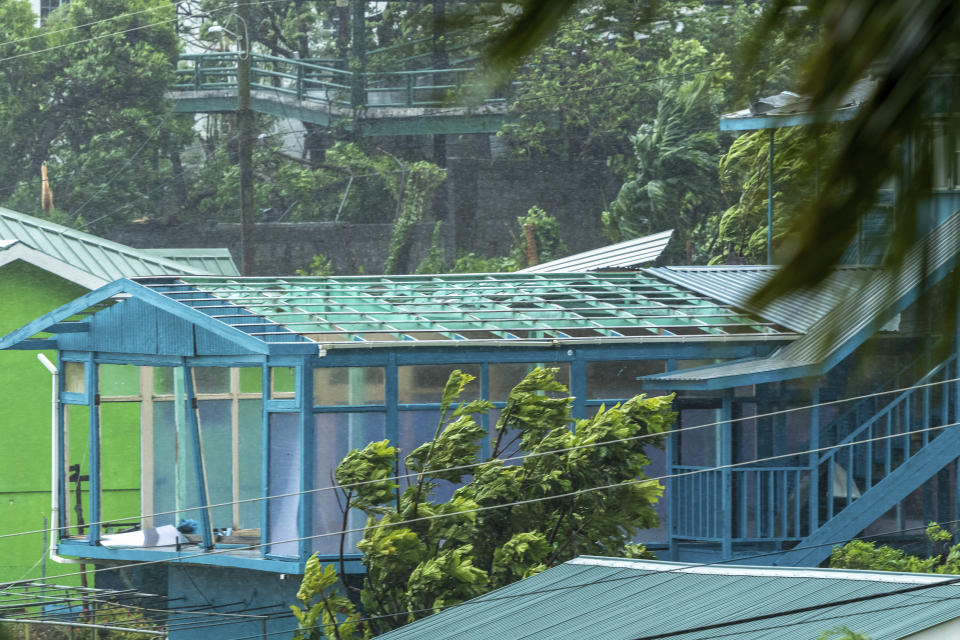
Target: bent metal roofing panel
[[623, 599], [381, 310], [616, 256]]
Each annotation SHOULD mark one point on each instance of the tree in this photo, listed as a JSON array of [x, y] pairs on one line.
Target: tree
[[674, 182], [505, 521], [859, 554], [88, 99], [903, 45]]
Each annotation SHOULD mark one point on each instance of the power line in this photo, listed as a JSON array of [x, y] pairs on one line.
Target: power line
[[515, 503], [484, 599], [590, 445]]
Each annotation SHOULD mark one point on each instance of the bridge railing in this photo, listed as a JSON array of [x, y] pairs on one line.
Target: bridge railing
[[308, 81], [304, 81]]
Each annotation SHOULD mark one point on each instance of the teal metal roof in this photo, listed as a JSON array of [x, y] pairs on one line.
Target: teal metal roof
[[215, 261], [622, 255], [621, 599], [452, 308], [843, 328], [100, 258], [735, 285]]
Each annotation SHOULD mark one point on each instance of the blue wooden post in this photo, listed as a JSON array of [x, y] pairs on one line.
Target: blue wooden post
[[578, 384], [485, 418], [304, 389], [193, 423], [91, 384], [391, 389], [813, 463], [62, 472], [265, 461], [726, 475], [673, 458]]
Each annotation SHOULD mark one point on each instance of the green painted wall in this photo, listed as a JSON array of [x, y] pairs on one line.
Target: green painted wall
[[27, 292]]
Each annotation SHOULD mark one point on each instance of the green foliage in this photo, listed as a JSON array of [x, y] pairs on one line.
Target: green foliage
[[413, 192], [673, 184], [434, 261], [332, 613], [320, 266], [842, 633], [472, 263], [90, 104], [422, 554], [859, 554], [546, 233], [741, 230]]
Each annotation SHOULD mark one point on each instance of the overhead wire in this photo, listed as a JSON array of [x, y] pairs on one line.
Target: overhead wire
[[535, 454], [678, 570], [514, 503], [521, 457]]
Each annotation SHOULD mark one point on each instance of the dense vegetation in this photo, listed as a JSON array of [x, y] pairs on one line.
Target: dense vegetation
[[423, 552], [631, 93]]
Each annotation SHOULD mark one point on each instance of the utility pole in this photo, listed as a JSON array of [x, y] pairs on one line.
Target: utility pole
[[245, 133]]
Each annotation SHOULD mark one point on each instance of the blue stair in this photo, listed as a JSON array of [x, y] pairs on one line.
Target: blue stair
[[876, 475]]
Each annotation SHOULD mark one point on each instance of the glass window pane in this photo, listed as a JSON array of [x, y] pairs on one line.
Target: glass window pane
[[250, 466], [163, 380], [337, 386], [216, 429], [175, 486], [505, 376], [77, 448], [282, 382], [284, 477], [120, 464], [617, 379], [423, 384], [73, 377], [251, 380], [336, 435], [211, 379], [118, 380]]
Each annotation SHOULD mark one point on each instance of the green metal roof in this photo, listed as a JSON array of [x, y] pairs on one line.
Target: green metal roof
[[531, 307], [215, 261], [105, 260], [621, 599]]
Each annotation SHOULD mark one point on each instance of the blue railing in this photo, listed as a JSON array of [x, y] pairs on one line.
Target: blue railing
[[766, 503], [771, 503], [332, 85], [904, 426]]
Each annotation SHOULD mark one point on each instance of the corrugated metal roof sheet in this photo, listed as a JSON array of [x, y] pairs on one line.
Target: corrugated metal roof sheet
[[848, 324], [616, 256], [620, 599], [734, 285], [215, 261], [101, 258]]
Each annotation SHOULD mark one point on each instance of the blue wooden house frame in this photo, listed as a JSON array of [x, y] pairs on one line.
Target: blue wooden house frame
[[255, 387]]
